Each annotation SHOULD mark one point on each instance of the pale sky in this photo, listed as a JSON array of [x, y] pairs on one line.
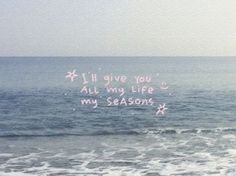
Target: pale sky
[[117, 27]]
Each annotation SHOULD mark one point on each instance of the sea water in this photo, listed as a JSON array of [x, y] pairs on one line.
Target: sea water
[[45, 131]]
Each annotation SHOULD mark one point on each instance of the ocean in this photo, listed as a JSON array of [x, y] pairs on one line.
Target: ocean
[[45, 130]]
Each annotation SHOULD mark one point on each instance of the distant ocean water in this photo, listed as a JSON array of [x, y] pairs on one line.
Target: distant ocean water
[[44, 130]]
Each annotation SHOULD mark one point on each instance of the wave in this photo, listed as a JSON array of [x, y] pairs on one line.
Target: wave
[[195, 131], [165, 131], [99, 133]]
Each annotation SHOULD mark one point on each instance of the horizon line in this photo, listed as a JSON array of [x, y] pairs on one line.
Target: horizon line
[[116, 56]]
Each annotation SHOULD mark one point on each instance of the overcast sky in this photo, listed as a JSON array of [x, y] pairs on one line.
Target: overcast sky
[[117, 27]]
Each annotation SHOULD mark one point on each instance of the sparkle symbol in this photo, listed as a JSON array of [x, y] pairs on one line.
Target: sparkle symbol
[[72, 75], [161, 109]]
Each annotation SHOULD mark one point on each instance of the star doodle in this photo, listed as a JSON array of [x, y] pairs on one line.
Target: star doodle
[[161, 109], [72, 75]]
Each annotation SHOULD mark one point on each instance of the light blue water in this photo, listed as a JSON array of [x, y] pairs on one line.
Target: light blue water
[[45, 131]]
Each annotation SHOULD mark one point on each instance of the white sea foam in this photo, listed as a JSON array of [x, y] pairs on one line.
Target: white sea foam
[[14, 174], [229, 136], [6, 155], [232, 152]]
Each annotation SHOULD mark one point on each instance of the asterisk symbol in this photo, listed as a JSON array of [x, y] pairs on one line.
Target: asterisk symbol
[[72, 75], [161, 109]]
